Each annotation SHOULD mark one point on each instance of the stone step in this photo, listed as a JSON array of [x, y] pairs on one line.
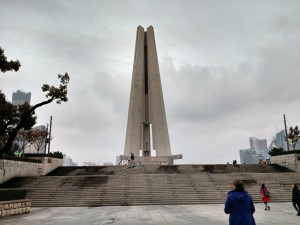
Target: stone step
[[151, 185]]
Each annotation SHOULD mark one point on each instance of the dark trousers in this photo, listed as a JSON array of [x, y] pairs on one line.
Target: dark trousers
[[296, 206]]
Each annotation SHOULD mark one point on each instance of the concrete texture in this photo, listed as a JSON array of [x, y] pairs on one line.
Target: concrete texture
[[212, 214], [152, 185], [146, 106], [10, 168], [291, 161]]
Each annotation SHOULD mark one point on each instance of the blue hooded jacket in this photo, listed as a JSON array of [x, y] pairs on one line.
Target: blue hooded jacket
[[240, 206]]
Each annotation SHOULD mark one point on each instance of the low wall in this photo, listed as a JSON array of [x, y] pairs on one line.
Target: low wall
[[49, 164], [15, 207], [291, 161], [10, 169]]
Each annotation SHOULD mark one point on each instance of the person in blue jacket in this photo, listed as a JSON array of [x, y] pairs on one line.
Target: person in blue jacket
[[239, 205]]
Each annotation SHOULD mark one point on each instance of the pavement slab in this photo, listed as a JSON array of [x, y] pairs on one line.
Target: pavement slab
[[209, 214]]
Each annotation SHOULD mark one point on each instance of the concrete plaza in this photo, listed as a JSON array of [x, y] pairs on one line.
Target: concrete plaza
[[211, 214]]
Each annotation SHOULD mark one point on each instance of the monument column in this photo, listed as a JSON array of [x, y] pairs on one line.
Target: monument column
[[146, 114]]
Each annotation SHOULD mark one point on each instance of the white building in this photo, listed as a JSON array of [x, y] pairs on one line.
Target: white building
[[89, 164], [68, 161], [118, 159]]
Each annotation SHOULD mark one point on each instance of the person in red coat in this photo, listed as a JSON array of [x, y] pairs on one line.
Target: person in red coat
[[265, 196]]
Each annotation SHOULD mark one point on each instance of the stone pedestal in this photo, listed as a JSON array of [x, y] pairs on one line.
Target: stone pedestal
[[156, 160]]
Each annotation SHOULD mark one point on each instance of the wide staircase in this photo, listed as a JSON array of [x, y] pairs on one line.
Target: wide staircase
[[152, 185]]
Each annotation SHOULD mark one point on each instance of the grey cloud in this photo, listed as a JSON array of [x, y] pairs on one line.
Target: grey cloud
[[229, 70], [217, 92]]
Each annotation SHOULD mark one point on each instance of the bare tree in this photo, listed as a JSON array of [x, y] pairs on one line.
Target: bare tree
[[39, 138], [294, 136]]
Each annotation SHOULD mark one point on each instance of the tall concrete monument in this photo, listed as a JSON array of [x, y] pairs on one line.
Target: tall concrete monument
[[146, 115]]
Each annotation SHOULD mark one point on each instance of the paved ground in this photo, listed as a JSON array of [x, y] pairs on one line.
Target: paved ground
[[281, 213]]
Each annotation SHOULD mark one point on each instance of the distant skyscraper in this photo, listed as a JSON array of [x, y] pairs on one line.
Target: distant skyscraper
[[279, 141], [258, 150], [259, 145], [20, 97], [247, 156]]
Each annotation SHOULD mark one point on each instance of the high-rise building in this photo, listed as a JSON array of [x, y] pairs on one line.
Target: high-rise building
[[279, 141], [247, 156], [260, 146], [258, 150], [20, 97]]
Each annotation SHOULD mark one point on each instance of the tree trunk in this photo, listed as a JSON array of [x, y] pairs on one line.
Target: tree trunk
[[15, 131]]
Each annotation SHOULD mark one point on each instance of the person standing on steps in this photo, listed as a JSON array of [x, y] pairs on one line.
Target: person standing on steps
[[239, 205], [265, 196], [296, 198], [132, 159]]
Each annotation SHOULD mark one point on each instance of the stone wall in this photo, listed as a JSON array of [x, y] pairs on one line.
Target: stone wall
[[15, 207], [48, 164], [10, 169], [291, 161]]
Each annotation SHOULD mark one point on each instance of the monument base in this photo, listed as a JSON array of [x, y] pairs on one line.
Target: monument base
[[155, 160]]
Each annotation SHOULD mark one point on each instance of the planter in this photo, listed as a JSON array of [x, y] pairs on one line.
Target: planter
[[15, 207]]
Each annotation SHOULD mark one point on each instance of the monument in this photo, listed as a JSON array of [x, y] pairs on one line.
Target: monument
[[147, 123]]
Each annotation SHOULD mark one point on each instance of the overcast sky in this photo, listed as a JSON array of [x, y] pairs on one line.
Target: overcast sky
[[229, 69]]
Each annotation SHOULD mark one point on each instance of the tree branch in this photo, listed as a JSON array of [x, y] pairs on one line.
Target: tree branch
[[15, 131]]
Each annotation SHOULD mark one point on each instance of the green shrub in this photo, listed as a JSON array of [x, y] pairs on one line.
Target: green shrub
[[12, 194], [56, 154], [276, 151], [280, 151]]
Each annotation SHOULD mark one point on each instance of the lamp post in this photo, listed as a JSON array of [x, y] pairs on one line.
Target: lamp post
[[46, 139], [49, 140], [286, 134]]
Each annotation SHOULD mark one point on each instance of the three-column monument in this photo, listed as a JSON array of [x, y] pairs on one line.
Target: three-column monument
[[146, 115]]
